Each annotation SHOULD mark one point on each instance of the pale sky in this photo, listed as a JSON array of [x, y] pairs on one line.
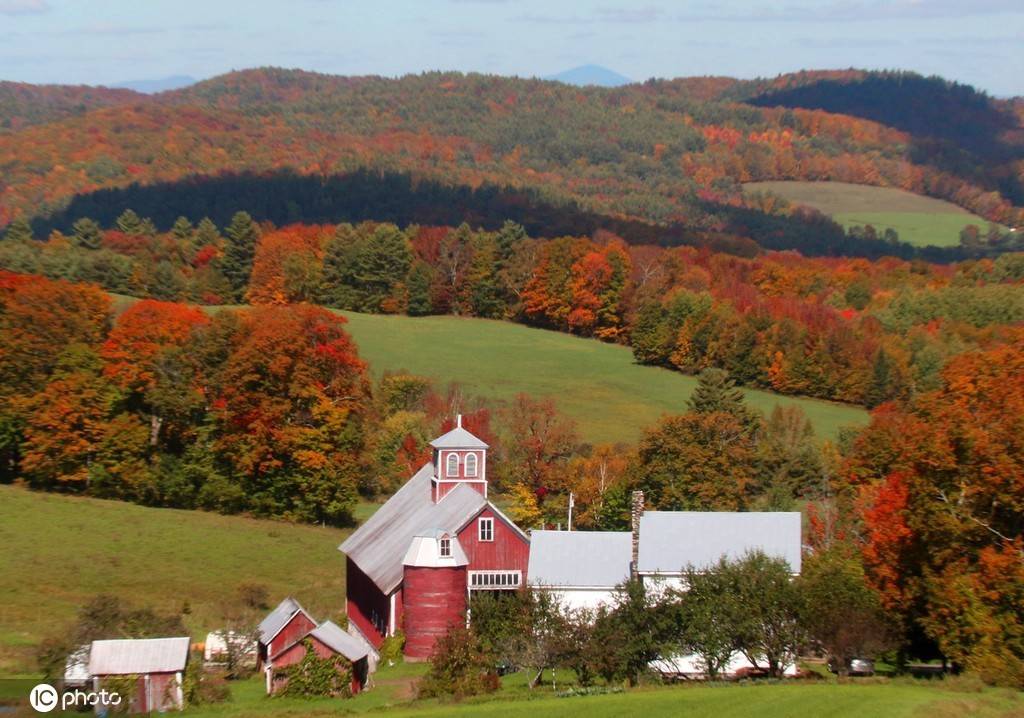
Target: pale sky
[[980, 42]]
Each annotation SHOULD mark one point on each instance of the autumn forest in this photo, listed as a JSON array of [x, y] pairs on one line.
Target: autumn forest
[[174, 268]]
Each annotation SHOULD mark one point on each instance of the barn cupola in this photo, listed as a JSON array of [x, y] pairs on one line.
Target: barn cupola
[[459, 458]]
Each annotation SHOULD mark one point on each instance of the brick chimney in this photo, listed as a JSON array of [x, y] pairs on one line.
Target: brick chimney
[[635, 514]]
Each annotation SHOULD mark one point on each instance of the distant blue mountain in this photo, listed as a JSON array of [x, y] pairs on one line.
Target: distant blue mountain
[[590, 75], [174, 82]]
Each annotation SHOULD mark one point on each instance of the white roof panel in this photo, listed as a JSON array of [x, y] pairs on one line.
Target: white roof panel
[[672, 540], [331, 635], [579, 558], [137, 656]]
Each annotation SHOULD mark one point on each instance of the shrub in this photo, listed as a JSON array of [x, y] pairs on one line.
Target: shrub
[[460, 667], [392, 647], [316, 677]]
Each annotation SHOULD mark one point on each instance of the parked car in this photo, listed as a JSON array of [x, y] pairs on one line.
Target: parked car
[[856, 666]]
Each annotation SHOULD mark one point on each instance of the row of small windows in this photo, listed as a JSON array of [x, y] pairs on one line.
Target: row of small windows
[[453, 465], [495, 579]]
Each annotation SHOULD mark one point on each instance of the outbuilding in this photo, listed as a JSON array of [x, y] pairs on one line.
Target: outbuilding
[[327, 640], [155, 667]]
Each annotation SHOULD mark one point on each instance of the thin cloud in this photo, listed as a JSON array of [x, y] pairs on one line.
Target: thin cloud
[[24, 7], [853, 11]]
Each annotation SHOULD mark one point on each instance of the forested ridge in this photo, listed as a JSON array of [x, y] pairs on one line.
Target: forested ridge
[[664, 152]]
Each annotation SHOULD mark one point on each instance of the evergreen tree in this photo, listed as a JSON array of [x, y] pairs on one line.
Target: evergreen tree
[[130, 223], [881, 388], [242, 235], [18, 230], [207, 233], [183, 229], [168, 282], [420, 278], [87, 233], [510, 235], [717, 392]]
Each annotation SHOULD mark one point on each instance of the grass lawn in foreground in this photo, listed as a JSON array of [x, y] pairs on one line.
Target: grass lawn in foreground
[[919, 220], [59, 551], [392, 697]]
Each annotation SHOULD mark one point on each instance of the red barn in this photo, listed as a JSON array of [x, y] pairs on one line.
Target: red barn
[[327, 640], [287, 623], [413, 565]]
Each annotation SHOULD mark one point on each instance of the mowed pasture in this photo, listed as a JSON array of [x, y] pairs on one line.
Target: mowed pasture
[[394, 689], [59, 551], [919, 220], [609, 396]]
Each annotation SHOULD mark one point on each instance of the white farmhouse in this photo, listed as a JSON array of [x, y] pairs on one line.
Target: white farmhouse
[[583, 568]]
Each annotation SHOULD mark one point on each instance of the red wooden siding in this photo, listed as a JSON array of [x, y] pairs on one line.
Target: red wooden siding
[[509, 550], [367, 606], [298, 626], [435, 599], [296, 652], [154, 692]]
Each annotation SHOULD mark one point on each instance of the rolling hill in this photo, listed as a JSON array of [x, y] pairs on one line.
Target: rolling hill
[[611, 398], [919, 220], [668, 154], [599, 385], [59, 551]]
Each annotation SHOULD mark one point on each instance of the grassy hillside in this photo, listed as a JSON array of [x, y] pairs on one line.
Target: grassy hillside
[[59, 551], [920, 220], [599, 385]]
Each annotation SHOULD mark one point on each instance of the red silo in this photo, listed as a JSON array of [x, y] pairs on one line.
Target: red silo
[[433, 591]]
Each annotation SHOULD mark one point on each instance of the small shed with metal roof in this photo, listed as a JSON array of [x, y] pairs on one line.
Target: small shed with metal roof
[[156, 667]]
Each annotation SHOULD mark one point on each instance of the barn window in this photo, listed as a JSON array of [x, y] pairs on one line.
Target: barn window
[[471, 465], [453, 465], [446, 548], [495, 580], [486, 529]]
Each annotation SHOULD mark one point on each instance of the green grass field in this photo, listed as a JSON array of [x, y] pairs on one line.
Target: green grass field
[[611, 398], [919, 220], [59, 551], [870, 699]]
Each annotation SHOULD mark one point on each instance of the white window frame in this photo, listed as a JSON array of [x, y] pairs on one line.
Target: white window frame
[[495, 580], [444, 548], [485, 529], [471, 461], [448, 464]]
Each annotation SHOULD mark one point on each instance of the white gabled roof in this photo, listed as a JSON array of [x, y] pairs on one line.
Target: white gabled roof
[[278, 618], [331, 635], [379, 545], [458, 438], [136, 656], [425, 551], [579, 559], [672, 540]]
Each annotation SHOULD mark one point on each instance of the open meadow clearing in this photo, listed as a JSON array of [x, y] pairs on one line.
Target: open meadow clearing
[[59, 551], [919, 220], [599, 385]]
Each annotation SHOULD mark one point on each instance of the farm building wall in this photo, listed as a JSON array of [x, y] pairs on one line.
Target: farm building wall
[[435, 600], [367, 606], [296, 652], [509, 551], [154, 692], [298, 626]]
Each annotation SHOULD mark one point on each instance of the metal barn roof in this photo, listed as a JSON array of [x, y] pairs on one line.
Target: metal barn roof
[[277, 618], [579, 558], [379, 545], [458, 438], [138, 656], [672, 540], [332, 636]]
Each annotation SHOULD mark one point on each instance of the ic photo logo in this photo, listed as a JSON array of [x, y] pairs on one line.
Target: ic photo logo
[[44, 698]]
